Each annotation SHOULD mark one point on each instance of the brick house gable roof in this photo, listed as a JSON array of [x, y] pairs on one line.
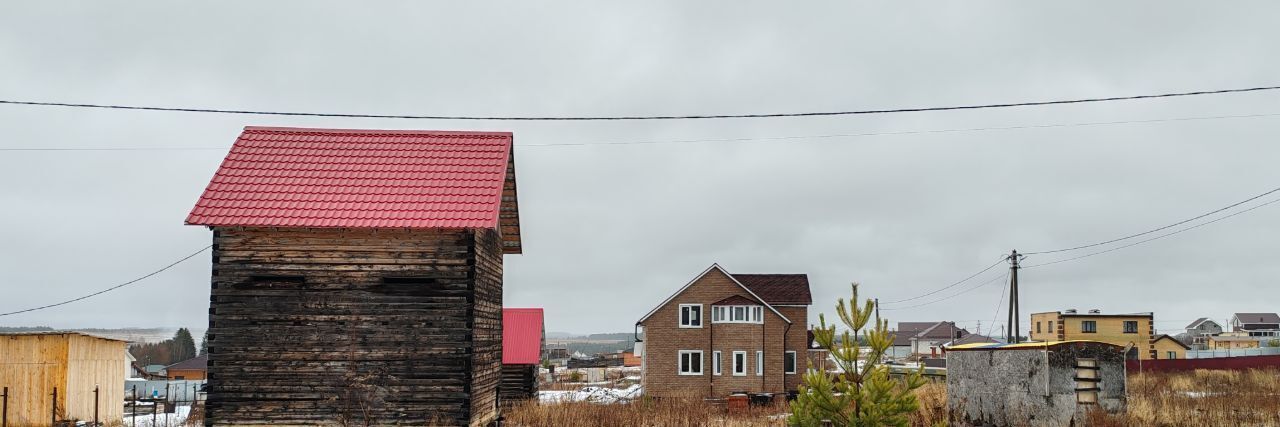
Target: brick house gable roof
[[358, 178], [717, 267], [778, 289]]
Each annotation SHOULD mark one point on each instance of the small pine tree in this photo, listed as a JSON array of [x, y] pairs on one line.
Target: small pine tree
[[863, 394], [204, 343]]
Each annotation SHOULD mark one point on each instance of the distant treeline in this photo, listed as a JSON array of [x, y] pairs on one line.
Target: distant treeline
[[9, 329], [181, 347]]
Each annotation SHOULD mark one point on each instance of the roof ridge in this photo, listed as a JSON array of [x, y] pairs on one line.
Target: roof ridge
[[303, 130]]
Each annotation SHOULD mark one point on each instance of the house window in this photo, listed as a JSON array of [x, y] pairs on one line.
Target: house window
[[715, 362], [1131, 326], [690, 362], [1037, 327], [1051, 327], [690, 315], [1171, 355], [737, 314], [759, 363], [789, 362], [1089, 326], [739, 363]]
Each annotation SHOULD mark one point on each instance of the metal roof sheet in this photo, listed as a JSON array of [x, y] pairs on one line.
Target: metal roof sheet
[[521, 336], [1022, 345], [355, 178]]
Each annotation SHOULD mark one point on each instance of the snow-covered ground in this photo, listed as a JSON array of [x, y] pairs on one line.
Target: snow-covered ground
[[591, 394], [178, 417]]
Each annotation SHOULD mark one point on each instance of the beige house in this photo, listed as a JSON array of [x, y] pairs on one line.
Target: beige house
[[1168, 347], [724, 333], [32, 365], [1225, 341], [1135, 331]]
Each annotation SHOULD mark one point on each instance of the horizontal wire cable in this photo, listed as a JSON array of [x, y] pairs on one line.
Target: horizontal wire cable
[[989, 281], [113, 287], [653, 117], [795, 138], [1153, 238], [998, 262], [1157, 229]]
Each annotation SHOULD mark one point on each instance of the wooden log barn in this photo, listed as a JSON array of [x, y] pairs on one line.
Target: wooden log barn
[[33, 364], [357, 276], [523, 338]]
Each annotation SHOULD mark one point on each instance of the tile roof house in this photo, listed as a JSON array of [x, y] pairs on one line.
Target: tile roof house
[[925, 337], [192, 369], [723, 333], [348, 260], [1200, 330]]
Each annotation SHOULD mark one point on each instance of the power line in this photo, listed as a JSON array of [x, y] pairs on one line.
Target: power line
[[796, 138], [1001, 260], [1158, 229], [999, 302], [1153, 238], [655, 117], [989, 281], [113, 287]]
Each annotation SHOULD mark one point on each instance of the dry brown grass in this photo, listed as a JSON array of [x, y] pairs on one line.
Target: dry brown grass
[[675, 412], [1200, 398], [933, 405]]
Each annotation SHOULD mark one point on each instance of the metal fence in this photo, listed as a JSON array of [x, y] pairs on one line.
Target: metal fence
[[1233, 352]]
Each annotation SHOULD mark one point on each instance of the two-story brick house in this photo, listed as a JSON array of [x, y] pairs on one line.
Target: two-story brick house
[[1135, 331], [723, 333]]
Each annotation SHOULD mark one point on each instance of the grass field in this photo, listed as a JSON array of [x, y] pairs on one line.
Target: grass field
[[1199, 398]]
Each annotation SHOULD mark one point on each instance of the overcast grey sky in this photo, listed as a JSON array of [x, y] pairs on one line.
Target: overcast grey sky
[[611, 230]]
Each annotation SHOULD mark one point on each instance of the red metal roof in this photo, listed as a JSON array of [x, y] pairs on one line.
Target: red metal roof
[[521, 336], [351, 178]]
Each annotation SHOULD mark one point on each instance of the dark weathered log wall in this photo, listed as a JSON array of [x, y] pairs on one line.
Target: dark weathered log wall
[[378, 326], [519, 382]]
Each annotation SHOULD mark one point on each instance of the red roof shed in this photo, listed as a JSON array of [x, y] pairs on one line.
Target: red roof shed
[[521, 336]]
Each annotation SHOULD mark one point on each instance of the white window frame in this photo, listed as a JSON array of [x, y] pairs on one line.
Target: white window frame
[[680, 316], [715, 362], [790, 369], [728, 314], [759, 363], [680, 362], [739, 369]]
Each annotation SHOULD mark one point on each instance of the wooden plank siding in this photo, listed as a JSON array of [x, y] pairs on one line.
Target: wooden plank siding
[[519, 382], [376, 326], [32, 365]]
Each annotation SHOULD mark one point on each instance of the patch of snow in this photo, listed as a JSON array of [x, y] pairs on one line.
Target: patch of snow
[[591, 394]]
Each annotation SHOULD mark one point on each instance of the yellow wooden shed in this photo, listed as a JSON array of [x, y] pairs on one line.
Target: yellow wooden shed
[[32, 365]]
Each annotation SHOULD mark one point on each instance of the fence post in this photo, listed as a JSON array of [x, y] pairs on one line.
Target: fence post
[[95, 405], [134, 418], [4, 409], [53, 413]]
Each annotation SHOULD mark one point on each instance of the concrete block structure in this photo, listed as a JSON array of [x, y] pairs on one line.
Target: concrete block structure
[[1034, 384]]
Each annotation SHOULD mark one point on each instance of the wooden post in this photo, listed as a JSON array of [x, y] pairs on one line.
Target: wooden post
[[4, 409], [53, 413], [134, 418], [95, 405]]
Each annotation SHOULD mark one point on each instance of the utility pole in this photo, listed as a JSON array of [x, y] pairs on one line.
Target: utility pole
[[877, 309], [1012, 329]]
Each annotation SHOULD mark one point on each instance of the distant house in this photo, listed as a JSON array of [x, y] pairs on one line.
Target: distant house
[[358, 274], [925, 338], [630, 359], [723, 333], [1226, 342], [523, 338], [1256, 324], [193, 369], [971, 339], [1135, 331], [1168, 347], [34, 364], [1200, 330]]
